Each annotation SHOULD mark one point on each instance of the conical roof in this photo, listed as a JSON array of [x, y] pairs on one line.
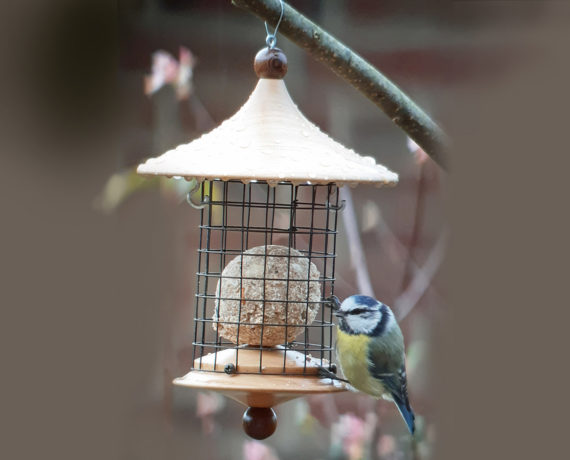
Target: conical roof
[[269, 139]]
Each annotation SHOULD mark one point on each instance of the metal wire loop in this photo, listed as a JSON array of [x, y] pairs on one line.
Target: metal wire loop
[[201, 204], [271, 39], [340, 207]]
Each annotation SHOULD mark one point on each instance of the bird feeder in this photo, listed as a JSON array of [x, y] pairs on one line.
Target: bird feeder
[[268, 183]]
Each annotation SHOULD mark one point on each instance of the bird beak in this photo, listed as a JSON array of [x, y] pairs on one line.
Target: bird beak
[[339, 314]]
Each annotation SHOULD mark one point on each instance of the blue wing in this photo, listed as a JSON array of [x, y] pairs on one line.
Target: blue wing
[[396, 385], [389, 368]]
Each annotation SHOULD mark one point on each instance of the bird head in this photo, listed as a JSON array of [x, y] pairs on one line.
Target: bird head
[[360, 314]]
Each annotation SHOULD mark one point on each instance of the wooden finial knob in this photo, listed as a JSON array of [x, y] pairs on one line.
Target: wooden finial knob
[[259, 422], [270, 63]]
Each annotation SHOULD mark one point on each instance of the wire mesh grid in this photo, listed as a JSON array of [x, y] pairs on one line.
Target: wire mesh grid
[[238, 218]]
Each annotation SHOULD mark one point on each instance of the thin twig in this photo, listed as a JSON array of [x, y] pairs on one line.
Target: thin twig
[[416, 228], [387, 239], [357, 71], [406, 301], [357, 257]]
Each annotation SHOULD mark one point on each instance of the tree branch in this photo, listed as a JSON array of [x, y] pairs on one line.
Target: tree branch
[[356, 71]]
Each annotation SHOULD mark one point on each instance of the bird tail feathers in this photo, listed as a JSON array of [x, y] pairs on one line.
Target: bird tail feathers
[[407, 414]]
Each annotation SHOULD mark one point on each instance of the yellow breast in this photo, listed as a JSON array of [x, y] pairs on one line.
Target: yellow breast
[[352, 354]]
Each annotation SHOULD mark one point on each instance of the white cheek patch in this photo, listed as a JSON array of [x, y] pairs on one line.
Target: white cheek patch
[[358, 324], [363, 324]]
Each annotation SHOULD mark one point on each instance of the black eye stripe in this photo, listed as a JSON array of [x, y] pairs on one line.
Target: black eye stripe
[[358, 311]]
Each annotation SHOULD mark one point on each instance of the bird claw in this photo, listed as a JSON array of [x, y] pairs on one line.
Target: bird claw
[[333, 302], [324, 373]]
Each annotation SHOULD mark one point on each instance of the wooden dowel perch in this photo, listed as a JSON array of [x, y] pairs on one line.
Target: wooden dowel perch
[[356, 71]]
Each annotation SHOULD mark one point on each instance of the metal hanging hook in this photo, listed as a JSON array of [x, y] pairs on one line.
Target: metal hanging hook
[[271, 38], [190, 200]]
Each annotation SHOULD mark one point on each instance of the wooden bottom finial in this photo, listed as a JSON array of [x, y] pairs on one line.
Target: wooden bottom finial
[[259, 422]]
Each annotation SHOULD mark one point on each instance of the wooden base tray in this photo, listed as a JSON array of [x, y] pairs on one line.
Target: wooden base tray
[[254, 389]]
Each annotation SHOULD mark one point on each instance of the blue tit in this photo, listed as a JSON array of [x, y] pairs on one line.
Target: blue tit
[[370, 350]]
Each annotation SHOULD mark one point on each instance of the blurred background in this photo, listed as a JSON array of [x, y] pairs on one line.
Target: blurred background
[[100, 264]]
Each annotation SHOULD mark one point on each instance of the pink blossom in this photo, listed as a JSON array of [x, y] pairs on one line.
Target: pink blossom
[[166, 70], [323, 408], [255, 450], [386, 445], [207, 405], [354, 433]]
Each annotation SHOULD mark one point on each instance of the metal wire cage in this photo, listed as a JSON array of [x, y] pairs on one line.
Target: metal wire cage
[[240, 223]]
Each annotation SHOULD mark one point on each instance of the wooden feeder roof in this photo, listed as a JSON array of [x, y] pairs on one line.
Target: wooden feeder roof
[[269, 139]]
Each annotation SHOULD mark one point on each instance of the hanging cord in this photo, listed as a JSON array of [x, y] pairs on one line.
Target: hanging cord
[[271, 38]]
